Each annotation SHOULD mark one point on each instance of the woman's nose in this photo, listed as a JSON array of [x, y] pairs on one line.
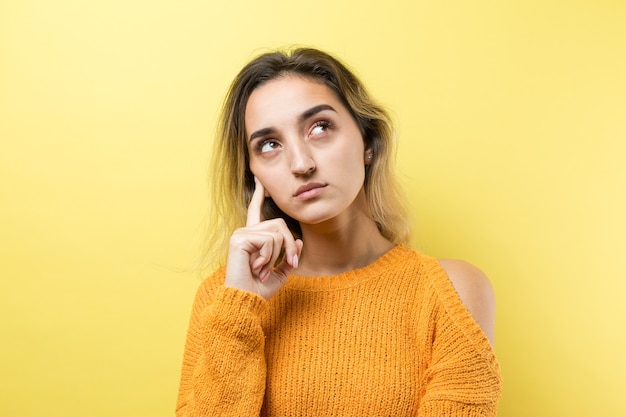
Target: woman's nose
[[302, 163]]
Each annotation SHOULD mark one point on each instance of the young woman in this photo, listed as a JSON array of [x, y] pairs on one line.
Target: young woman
[[321, 309]]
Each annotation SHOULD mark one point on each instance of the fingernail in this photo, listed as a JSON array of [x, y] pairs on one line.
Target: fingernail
[[264, 275], [295, 261]]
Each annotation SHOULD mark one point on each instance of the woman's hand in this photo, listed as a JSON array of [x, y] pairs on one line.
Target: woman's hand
[[254, 250]]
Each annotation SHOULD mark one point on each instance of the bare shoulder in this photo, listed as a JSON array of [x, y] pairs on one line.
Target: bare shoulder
[[476, 292]]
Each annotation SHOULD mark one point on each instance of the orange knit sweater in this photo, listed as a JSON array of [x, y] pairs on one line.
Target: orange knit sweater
[[390, 339]]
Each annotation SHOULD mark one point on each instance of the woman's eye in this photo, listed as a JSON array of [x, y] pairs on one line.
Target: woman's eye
[[268, 145], [320, 127]]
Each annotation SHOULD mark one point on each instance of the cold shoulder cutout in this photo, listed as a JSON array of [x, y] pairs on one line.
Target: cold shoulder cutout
[[475, 291]]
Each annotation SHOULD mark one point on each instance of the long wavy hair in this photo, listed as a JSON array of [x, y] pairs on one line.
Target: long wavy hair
[[232, 182]]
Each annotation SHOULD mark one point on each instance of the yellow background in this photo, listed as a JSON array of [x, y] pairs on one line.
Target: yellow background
[[512, 125]]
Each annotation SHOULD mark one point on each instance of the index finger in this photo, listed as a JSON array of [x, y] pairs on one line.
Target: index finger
[[255, 208]]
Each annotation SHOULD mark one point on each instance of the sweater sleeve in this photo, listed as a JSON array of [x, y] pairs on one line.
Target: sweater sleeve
[[463, 376], [223, 372]]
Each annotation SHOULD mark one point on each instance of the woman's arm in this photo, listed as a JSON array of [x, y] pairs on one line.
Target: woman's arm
[[462, 378], [223, 371], [224, 362]]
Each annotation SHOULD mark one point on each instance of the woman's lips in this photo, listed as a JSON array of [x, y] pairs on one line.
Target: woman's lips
[[309, 191]]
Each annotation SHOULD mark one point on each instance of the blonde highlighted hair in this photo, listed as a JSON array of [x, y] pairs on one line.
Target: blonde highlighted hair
[[232, 182]]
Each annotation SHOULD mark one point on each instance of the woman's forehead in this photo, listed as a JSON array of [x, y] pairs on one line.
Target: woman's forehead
[[287, 97]]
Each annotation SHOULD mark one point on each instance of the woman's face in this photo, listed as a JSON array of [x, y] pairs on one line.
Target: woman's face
[[306, 149]]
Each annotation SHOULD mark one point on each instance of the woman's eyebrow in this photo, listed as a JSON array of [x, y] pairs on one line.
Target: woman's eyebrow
[[314, 110], [260, 132], [305, 115]]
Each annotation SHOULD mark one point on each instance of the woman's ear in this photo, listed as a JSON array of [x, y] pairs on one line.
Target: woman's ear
[[369, 156]]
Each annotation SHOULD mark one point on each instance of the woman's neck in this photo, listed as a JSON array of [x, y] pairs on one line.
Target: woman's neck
[[331, 249]]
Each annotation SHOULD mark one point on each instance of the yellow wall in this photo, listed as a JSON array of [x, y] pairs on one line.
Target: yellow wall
[[512, 119]]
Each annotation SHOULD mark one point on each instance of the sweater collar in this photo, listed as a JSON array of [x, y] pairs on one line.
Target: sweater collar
[[378, 268]]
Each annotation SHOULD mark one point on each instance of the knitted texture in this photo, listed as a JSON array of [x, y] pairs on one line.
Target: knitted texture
[[390, 339]]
